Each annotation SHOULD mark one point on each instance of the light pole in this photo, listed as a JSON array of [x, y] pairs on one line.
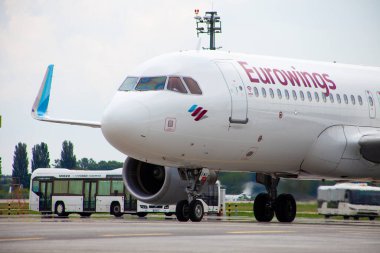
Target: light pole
[[210, 23]]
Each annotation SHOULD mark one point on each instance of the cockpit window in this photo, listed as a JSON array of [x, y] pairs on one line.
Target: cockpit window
[[192, 85], [129, 84], [175, 84], [151, 83]]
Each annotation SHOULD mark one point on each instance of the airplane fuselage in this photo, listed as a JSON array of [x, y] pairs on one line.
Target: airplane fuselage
[[255, 113]]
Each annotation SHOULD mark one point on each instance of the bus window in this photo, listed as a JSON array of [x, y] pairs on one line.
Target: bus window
[[175, 84], [129, 84], [75, 187], [151, 83], [61, 186], [192, 85], [36, 186], [117, 187], [104, 187]]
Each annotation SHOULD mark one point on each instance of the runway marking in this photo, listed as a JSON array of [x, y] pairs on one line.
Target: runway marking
[[20, 239], [136, 235], [261, 232]]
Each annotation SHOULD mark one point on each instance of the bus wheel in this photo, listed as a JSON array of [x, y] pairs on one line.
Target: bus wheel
[[60, 209], [85, 214], [371, 218], [141, 215], [116, 210], [168, 214], [182, 211], [327, 216]]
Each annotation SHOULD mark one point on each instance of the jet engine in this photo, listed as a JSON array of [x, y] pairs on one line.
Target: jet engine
[[153, 183]]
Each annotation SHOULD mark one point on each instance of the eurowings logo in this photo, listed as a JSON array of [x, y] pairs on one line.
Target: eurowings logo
[[197, 112]]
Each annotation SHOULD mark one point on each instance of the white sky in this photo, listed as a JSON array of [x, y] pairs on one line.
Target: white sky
[[94, 44]]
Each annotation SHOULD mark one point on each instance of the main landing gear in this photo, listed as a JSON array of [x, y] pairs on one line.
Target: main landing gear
[[192, 208], [266, 205]]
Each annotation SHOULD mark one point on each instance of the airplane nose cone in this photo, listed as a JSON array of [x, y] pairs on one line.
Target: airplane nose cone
[[126, 126]]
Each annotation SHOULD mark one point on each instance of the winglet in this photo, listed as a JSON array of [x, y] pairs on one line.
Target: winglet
[[41, 103]]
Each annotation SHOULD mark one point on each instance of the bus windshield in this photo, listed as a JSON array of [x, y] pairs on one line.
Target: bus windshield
[[360, 197]]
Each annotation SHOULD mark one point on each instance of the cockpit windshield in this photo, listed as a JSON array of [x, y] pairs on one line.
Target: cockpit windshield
[[184, 85], [151, 83]]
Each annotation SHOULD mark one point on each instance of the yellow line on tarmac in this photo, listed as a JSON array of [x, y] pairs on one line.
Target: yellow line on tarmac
[[20, 239], [132, 235], [260, 232]]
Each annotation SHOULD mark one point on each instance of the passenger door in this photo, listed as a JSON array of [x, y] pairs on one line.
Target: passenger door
[[45, 196], [89, 196], [130, 203], [371, 105], [236, 87]]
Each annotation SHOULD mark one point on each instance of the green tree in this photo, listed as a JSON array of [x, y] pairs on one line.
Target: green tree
[[40, 154], [68, 159], [0, 168], [20, 164]]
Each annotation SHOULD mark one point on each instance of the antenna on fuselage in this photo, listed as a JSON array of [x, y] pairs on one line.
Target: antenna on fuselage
[[210, 23]]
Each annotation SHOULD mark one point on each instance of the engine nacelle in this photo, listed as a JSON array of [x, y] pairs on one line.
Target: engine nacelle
[[152, 183]]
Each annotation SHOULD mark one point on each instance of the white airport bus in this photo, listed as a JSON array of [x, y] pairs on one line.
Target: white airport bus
[[64, 191], [349, 200]]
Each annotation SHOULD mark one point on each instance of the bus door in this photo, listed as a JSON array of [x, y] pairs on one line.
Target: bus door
[[236, 87], [89, 196], [45, 193], [130, 203]]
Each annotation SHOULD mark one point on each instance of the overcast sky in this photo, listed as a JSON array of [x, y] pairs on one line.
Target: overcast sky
[[94, 44]]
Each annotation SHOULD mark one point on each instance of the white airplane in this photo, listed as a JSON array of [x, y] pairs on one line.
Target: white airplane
[[181, 117]]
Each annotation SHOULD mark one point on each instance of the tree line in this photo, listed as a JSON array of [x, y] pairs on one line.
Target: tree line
[[41, 159]]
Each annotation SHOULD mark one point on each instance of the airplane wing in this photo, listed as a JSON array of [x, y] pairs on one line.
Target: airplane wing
[[370, 147], [41, 104]]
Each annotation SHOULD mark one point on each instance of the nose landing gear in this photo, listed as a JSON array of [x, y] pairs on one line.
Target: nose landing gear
[[192, 209], [268, 204]]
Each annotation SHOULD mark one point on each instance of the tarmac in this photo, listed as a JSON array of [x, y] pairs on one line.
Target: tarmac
[[35, 233]]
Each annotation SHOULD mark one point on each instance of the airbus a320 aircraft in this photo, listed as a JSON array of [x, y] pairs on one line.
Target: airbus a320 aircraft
[[182, 117]]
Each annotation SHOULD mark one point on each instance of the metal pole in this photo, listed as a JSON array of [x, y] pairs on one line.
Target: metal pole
[[212, 30]]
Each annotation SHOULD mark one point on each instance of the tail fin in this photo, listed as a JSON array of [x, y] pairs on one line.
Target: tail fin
[[41, 104]]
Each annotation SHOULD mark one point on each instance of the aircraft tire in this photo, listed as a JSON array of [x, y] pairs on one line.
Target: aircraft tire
[[196, 211], [182, 211], [285, 208], [262, 208]]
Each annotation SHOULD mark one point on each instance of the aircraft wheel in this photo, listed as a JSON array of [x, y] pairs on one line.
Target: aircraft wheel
[[196, 210], [262, 208], [182, 211], [285, 208]]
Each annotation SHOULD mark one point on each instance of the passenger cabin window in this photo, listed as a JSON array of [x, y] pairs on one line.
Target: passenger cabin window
[[331, 98], [279, 94], [360, 100], [192, 85], [294, 95], [353, 99], [175, 84], [271, 93], [287, 94], [316, 96], [370, 101], [129, 84], [151, 83], [309, 96], [302, 96], [345, 98], [264, 92], [338, 98], [256, 92], [324, 97]]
